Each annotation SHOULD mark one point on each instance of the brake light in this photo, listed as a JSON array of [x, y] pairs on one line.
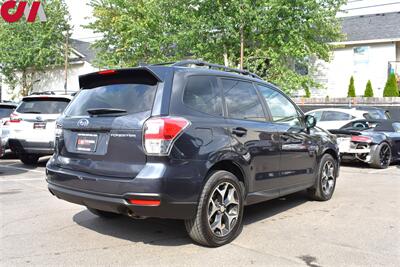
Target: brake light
[[145, 202], [14, 118], [107, 72], [160, 134], [361, 139]]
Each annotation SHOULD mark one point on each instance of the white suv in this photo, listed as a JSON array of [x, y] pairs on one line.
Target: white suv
[[32, 126]]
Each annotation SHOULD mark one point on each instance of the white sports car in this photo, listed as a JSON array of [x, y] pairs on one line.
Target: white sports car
[[335, 118]]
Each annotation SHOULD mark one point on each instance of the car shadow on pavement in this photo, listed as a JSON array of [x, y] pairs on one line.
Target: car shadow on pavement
[[9, 156], [163, 232], [17, 168], [4, 171], [355, 164], [265, 210]]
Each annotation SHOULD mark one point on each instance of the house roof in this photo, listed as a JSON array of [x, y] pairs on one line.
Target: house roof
[[84, 50], [372, 28]]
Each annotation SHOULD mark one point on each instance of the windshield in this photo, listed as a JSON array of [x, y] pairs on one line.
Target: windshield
[[43, 106], [129, 98], [5, 112], [376, 115]]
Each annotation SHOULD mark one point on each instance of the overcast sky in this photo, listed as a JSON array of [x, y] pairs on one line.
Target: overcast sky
[[80, 12]]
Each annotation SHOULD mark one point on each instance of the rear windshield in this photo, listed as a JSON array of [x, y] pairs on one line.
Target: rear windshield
[[43, 106], [5, 112], [132, 98]]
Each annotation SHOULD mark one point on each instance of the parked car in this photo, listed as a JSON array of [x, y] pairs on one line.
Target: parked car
[[5, 111], [375, 113], [32, 126], [376, 142], [189, 143], [335, 118]]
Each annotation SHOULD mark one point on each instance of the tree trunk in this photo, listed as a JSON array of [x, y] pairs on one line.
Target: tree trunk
[[24, 84], [226, 59]]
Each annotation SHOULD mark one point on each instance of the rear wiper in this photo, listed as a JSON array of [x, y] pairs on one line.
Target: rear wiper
[[106, 111], [32, 112]]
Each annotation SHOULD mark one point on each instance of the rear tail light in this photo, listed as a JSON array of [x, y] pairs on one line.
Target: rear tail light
[[160, 134], [361, 139], [14, 118]]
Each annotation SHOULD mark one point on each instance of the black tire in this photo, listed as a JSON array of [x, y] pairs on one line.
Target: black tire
[[29, 159], [378, 159], [199, 228], [104, 214], [323, 188]]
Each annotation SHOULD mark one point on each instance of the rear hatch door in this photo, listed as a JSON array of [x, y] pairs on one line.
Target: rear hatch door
[[102, 128]]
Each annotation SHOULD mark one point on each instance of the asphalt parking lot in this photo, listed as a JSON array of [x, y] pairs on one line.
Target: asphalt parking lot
[[360, 226]]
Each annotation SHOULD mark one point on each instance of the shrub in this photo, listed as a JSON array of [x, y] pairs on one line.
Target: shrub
[[352, 90], [391, 88], [369, 92]]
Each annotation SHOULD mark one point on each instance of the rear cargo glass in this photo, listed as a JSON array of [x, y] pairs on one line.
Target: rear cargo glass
[[133, 98], [5, 111], [43, 106]]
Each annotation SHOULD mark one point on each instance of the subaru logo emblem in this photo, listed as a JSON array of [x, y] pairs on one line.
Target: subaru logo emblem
[[83, 123]]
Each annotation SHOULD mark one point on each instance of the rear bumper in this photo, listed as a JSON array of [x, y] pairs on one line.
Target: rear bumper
[[119, 204], [178, 197], [20, 146]]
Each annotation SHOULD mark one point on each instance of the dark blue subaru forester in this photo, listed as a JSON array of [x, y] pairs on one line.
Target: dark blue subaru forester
[[190, 140]]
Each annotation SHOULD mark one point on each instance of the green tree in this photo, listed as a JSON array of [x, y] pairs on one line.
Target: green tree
[[369, 92], [352, 90], [26, 49], [391, 87], [276, 36]]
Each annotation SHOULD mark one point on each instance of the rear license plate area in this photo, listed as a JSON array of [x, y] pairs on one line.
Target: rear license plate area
[[39, 125], [87, 142]]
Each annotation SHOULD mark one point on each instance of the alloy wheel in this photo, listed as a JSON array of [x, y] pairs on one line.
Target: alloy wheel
[[385, 155], [223, 209], [328, 177]]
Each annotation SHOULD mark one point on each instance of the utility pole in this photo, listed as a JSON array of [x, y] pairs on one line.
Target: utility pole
[[241, 48], [66, 62]]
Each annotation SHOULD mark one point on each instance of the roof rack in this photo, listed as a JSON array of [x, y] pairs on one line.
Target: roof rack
[[211, 66]]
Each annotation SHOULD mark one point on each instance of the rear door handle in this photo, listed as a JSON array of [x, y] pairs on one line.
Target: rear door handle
[[239, 131]]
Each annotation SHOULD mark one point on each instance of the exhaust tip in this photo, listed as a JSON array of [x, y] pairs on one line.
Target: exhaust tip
[[132, 215]]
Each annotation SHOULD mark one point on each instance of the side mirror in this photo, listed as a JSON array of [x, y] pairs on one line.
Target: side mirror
[[310, 121]]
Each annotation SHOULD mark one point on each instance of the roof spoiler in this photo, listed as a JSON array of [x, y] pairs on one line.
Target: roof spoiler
[[142, 75], [344, 132]]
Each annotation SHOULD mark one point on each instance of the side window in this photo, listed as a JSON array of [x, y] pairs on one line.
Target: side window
[[242, 101], [396, 127], [201, 95], [335, 116], [282, 110]]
